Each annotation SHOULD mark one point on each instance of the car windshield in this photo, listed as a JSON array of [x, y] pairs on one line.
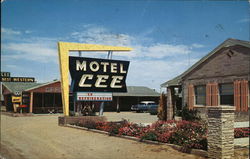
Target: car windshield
[[151, 103], [148, 103]]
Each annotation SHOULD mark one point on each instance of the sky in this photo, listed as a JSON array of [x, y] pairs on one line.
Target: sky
[[167, 37]]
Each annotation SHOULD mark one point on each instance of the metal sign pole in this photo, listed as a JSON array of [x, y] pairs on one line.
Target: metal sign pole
[[110, 53], [1, 94], [101, 109]]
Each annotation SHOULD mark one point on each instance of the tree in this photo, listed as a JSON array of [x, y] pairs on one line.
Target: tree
[[162, 108]]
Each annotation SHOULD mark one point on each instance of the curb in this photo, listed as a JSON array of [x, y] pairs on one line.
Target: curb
[[198, 152], [17, 114]]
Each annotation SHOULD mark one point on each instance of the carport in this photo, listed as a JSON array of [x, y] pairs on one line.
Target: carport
[[134, 95]]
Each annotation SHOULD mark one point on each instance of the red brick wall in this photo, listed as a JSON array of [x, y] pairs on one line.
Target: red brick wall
[[50, 88], [5, 90]]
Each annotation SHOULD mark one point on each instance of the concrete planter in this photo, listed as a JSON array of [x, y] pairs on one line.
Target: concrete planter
[[73, 120]]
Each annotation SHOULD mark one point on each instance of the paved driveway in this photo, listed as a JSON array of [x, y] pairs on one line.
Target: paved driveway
[[39, 137]]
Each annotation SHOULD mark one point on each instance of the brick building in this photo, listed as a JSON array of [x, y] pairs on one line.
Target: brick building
[[220, 78], [37, 97]]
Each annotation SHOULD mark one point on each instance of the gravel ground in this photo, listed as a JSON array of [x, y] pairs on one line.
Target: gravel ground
[[40, 137]]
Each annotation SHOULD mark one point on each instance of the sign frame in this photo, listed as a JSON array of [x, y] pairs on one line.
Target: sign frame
[[94, 96], [16, 99]]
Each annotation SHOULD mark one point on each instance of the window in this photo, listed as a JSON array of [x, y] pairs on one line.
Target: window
[[38, 100], [227, 94], [48, 99], [200, 95]]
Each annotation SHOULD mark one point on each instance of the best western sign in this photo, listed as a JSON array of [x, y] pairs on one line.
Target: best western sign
[[17, 79], [5, 74], [98, 75]]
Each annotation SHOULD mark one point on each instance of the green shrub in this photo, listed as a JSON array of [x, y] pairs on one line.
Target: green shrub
[[150, 135], [189, 135], [190, 114], [184, 133], [241, 132]]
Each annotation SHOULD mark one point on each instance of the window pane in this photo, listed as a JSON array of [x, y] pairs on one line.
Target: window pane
[[226, 89], [48, 99], [200, 95], [227, 94], [37, 101]]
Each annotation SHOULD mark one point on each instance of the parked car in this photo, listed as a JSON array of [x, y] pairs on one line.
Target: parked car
[[143, 106], [153, 109]]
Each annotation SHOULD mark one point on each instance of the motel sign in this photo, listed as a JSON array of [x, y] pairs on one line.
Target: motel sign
[[98, 75]]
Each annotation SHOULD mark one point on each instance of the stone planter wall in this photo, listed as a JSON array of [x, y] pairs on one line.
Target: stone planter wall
[[64, 120], [220, 132]]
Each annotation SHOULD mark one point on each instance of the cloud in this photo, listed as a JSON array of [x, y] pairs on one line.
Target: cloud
[[151, 63], [152, 73], [100, 35], [21, 46], [244, 20], [10, 32], [30, 51], [197, 45], [27, 31], [164, 50], [12, 66]]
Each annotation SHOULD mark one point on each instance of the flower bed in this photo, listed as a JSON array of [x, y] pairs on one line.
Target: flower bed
[[241, 132], [184, 133], [187, 134]]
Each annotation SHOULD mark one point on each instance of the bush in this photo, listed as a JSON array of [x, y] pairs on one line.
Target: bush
[[184, 133], [189, 135], [130, 130], [111, 127], [190, 114], [114, 128], [165, 136], [162, 108], [149, 135], [241, 132], [164, 126]]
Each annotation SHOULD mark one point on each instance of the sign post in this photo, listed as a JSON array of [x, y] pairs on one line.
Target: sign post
[[3, 75], [85, 80]]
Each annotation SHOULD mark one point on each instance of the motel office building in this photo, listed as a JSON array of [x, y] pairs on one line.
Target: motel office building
[[220, 78], [46, 97]]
